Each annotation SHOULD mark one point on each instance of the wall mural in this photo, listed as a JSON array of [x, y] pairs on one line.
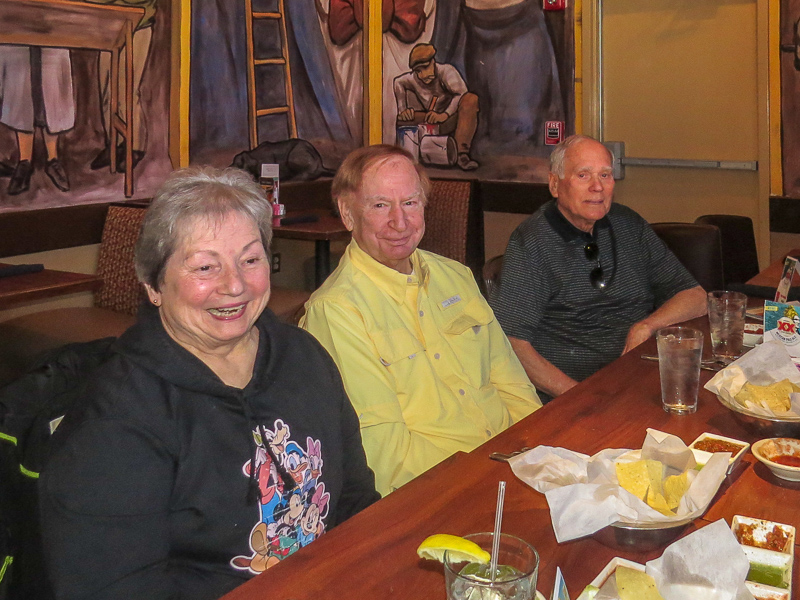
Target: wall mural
[[468, 86], [55, 141]]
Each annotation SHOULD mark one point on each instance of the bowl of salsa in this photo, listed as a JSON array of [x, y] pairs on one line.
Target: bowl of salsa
[[781, 456]]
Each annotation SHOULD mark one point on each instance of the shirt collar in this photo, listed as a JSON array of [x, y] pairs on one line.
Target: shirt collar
[[567, 230], [387, 279]]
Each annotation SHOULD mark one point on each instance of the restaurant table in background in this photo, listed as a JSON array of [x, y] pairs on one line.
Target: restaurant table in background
[[373, 555], [325, 228], [772, 274], [21, 289]]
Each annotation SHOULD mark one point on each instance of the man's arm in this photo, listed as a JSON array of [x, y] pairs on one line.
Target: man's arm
[[684, 305], [544, 374], [453, 82]]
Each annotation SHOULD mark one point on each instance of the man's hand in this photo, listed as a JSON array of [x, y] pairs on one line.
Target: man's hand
[[436, 117], [406, 115], [638, 333]]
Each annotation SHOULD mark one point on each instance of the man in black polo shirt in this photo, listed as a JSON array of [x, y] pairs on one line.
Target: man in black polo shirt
[[585, 280]]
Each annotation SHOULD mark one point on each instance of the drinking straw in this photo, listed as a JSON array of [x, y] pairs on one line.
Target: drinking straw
[[498, 520]]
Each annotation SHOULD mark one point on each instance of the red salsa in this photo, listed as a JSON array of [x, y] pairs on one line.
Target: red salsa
[[789, 460], [714, 445], [776, 538]]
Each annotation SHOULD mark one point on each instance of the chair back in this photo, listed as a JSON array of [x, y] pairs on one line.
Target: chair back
[[739, 253], [454, 223], [491, 274], [121, 291], [698, 248]]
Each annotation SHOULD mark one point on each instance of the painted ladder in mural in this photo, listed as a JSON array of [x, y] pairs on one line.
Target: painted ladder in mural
[[254, 111]]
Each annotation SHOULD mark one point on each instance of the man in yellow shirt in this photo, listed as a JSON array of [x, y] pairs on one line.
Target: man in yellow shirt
[[424, 362]]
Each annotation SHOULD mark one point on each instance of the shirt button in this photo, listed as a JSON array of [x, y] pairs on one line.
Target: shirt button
[[489, 432], [462, 392], [436, 356], [409, 280], [421, 313]]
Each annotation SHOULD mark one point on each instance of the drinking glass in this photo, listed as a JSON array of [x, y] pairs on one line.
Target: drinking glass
[[726, 315], [517, 571], [679, 353]]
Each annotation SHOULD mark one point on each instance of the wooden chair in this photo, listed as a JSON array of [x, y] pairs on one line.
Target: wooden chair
[[739, 253], [23, 338], [698, 248], [454, 223]]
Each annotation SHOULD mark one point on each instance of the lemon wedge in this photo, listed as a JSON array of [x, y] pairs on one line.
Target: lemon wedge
[[434, 547]]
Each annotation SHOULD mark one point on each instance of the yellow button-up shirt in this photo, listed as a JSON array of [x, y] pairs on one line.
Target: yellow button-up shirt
[[424, 362]]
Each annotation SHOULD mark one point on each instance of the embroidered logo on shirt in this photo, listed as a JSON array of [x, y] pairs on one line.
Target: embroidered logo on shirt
[[450, 301], [288, 519]]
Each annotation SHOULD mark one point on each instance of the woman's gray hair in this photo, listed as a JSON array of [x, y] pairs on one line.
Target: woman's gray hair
[[558, 155], [190, 193]]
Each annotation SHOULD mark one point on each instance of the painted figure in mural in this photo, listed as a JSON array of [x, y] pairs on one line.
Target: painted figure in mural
[[436, 93], [36, 92], [141, 50], [505, 52], [405, 23]]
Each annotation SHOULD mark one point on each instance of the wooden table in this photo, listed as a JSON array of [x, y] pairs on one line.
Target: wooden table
[[771, 276], [373, 554], [21, 289], [77, 24], [325, 229]]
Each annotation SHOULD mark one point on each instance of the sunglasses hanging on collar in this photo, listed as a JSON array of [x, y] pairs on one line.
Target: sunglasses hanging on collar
[[597, 276]]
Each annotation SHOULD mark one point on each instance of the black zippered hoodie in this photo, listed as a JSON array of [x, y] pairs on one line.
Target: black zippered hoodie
[[151, 490]]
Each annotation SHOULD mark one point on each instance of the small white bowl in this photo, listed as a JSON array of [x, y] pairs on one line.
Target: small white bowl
[[771, 448], [702, 457]]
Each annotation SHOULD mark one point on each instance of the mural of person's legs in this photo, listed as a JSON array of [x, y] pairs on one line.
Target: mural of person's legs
[[462, 125], [21, 177], [141, 49], [54, 169]]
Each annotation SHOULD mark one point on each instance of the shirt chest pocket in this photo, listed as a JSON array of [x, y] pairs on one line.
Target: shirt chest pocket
[[396, 348], [466, 331]]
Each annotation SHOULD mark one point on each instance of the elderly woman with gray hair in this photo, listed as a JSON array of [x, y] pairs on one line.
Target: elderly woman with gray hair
[[216, 441]]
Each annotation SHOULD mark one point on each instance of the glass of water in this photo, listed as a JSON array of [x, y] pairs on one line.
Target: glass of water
[[726, 315], [515, 578], [679, 352]]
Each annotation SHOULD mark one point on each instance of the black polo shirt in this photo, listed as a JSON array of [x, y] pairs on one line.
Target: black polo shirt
[[546, 296]]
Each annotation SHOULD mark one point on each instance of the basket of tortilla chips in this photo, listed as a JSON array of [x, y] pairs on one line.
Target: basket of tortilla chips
[[762, 390], [634, 499]]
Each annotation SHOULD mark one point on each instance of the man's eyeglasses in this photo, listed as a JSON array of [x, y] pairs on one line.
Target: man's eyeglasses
[[597, 278]]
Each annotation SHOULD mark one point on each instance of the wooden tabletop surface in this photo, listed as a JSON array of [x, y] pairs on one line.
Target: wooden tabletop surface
[[21, 289], [326, 227], [772, 274], [373, 554]]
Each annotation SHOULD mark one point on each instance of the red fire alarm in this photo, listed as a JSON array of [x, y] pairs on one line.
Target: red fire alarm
[[553, 132], [554, 4]]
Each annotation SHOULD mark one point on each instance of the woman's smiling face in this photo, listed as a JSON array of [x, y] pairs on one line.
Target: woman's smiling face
[[216, 283]]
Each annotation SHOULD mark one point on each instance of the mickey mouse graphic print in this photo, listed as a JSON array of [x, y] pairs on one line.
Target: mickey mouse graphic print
[[293, 503]]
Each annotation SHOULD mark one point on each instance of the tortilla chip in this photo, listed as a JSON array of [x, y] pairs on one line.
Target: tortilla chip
[[639, 476], [675, 487], [636, 585], [657, 501], [774, 396]]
